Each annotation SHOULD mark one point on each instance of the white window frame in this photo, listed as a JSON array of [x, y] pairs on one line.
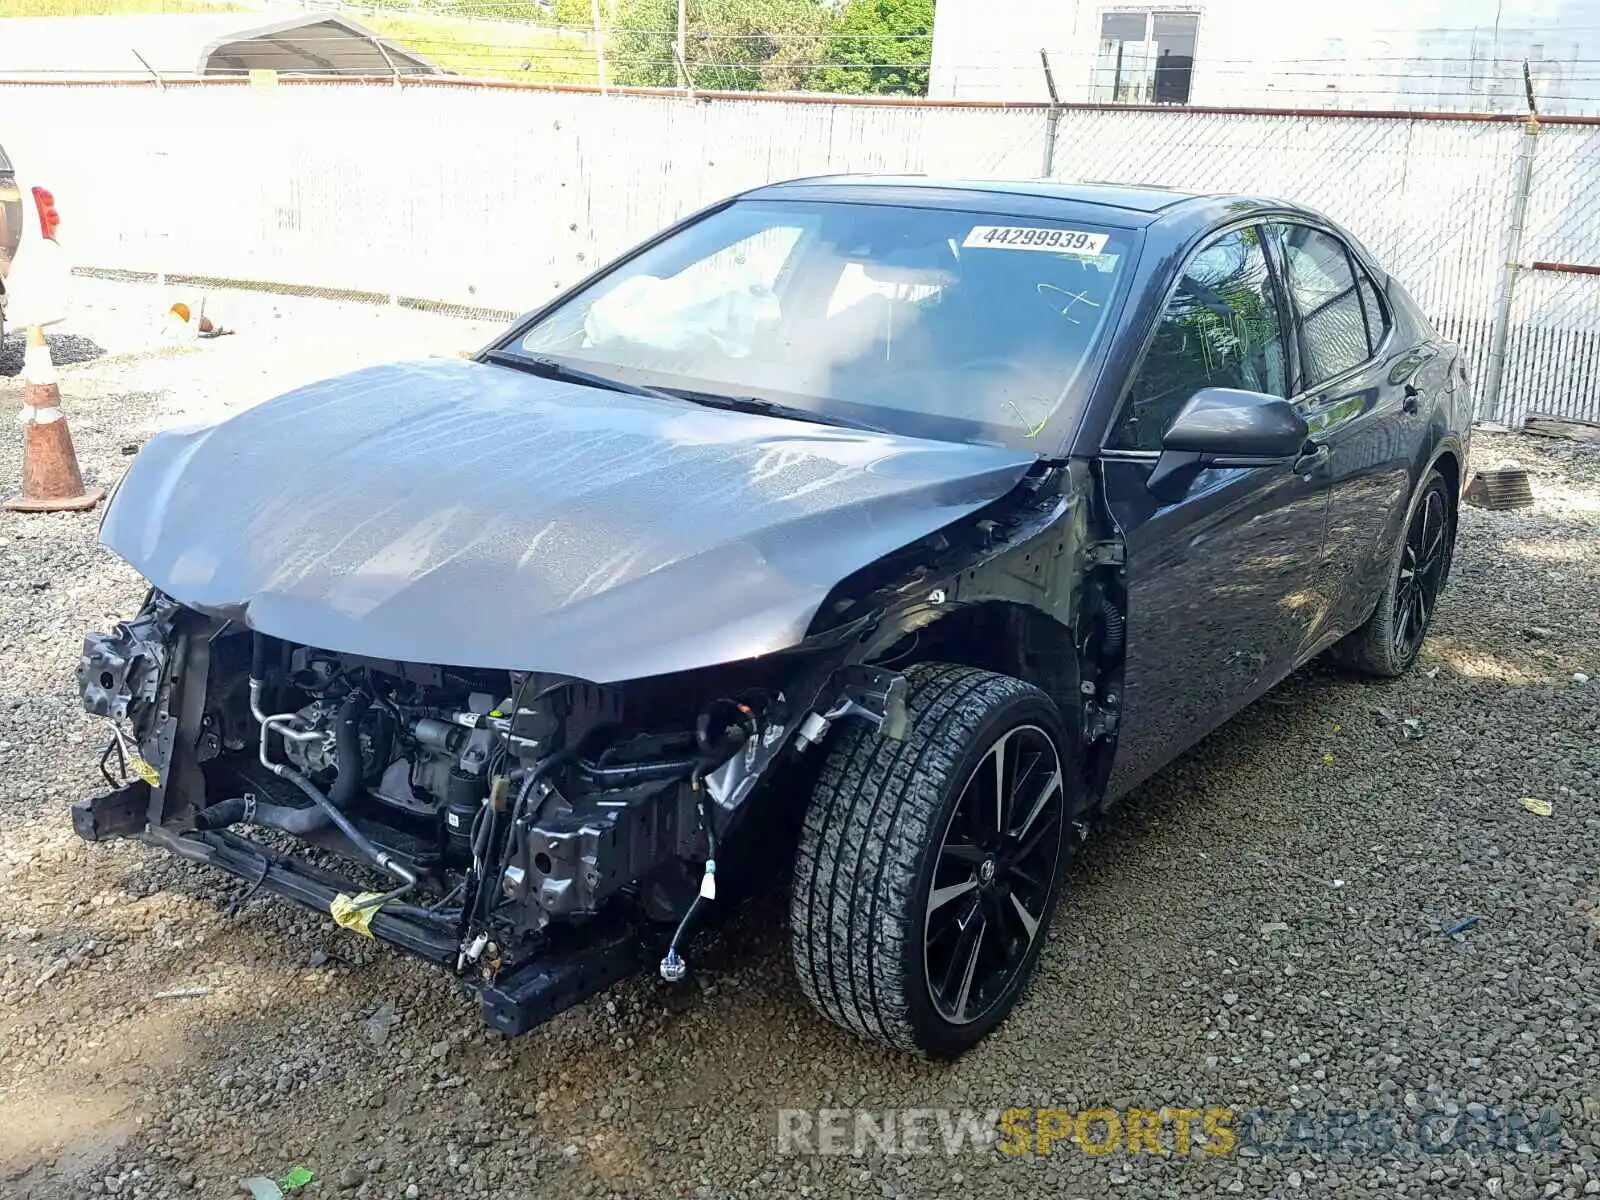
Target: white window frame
[[1149, 12]]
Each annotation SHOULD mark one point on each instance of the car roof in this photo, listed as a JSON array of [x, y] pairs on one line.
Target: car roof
[[1127, 205], [1134, 197]]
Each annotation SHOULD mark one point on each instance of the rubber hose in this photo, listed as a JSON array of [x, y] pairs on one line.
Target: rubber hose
[[357, 838], [302, 820], [347, 748], [346, 784], [279, 816]]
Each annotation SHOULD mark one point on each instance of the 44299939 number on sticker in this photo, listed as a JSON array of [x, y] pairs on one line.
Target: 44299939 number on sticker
[[1023, 237]]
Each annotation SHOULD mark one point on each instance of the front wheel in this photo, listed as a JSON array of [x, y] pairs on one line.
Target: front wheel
[[928, 869], [1392, 637]]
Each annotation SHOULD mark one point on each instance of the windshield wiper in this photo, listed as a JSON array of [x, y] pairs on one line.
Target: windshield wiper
[[549, 368], [770, 408]]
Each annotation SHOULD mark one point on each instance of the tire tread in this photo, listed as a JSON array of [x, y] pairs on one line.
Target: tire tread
[[865, 828]]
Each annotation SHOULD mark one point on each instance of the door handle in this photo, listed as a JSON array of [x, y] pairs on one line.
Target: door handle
[[1313, 456], [1413, 400]]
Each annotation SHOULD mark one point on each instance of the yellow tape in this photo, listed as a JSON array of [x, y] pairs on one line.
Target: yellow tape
[[144, 771], [345, 913]]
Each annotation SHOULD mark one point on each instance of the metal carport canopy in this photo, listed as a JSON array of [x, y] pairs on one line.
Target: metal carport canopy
[[43, 49]]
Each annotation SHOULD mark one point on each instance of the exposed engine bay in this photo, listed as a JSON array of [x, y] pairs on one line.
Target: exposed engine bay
[[491, 815], [344, 737]]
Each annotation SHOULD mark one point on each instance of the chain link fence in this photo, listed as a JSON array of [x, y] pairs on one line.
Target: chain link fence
[[486, 200], [1428, 198]]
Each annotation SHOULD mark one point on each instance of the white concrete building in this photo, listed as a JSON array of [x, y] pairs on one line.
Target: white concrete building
[[1459, 55]]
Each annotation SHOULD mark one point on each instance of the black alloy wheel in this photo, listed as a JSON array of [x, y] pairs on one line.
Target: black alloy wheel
[[1389, 641], [1423, 558], [993, 875]]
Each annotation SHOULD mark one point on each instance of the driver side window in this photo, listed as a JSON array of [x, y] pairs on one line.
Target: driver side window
[[1221, 328]]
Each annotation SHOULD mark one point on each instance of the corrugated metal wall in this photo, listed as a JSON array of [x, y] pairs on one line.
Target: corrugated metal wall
[[495, 198], [1553, 336]]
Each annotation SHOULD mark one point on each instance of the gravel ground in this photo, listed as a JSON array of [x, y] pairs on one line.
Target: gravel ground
[[1266, 925]]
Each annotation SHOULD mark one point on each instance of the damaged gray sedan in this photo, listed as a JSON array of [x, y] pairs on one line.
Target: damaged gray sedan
[[895, 524]]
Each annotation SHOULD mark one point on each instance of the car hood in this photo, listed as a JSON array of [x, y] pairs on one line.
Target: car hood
[[474, 515]]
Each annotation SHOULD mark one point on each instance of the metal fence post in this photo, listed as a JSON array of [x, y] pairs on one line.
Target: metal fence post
[[1052, 117], [1500, 324]]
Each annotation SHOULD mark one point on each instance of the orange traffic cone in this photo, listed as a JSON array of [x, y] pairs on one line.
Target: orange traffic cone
[[51, 481], [179, 317]]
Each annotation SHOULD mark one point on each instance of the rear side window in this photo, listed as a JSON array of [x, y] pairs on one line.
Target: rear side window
[[1323, 286], [1221, 328]]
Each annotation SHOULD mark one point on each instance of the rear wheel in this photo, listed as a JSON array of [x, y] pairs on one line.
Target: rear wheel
[[928, 869], [1392, 637]]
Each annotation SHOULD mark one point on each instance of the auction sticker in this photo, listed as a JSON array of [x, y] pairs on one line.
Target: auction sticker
[[1019, 237]]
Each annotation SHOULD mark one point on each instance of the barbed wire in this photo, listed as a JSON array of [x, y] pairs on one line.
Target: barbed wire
[[1350, 99], [493, 51], [487, 50]]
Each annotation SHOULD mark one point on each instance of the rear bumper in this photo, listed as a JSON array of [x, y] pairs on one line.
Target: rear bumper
[[513, 1002]]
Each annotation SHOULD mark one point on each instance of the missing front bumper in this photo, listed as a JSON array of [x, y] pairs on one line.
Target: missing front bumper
[[514, 1002], [108, 815]]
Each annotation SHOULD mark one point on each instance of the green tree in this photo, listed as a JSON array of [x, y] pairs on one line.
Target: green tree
[[879, 47], [575, 14], [732, 45]]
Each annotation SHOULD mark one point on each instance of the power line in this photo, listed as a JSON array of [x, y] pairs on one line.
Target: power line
[[1027, 65], [1274, 68]]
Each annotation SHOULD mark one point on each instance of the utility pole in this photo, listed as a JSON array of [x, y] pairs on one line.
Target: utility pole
[[599, 44], [683, 57]]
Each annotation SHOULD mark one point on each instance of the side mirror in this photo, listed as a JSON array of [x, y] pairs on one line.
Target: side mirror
[[1226, 427]]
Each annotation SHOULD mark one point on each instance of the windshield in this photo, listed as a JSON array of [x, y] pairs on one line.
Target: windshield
[[965, 326]]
